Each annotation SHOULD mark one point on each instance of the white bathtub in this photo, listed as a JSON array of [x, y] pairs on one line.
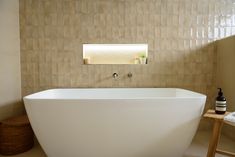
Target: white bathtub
[[114, 122]]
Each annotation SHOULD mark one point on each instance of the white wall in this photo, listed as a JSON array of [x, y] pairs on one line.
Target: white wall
[[10, 79]]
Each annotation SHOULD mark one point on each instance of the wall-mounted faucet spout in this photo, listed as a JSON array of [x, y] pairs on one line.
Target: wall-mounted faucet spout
[[115, 75]]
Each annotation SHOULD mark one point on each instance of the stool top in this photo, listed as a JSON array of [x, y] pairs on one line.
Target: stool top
[[211, 114], [16, 121]]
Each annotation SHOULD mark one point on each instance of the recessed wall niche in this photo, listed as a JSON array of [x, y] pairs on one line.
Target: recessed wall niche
[[115, 53]]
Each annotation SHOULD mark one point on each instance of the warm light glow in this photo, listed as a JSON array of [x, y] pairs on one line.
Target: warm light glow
[[114, 53]]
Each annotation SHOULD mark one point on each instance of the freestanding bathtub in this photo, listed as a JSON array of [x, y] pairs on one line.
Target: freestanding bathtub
[[115, 122]]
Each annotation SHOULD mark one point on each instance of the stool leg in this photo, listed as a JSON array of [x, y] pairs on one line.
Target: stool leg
[[215, 138]]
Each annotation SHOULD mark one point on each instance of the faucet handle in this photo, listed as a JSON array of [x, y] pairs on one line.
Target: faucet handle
[[130, 75], [115, 75]]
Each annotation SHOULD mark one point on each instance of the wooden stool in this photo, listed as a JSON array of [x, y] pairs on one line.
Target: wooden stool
[[218, 123], [16, 135]]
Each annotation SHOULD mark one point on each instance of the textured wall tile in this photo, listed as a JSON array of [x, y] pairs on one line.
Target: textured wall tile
[[178, 33]]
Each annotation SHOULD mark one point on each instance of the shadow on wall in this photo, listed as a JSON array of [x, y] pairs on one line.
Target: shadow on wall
[[193, 69], [226, 76], [11, 109]]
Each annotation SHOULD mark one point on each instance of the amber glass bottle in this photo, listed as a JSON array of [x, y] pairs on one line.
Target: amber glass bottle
[[220, 105]]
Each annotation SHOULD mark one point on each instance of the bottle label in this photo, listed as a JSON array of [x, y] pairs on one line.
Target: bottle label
[[220, 108], [219, 105], [221, 102]]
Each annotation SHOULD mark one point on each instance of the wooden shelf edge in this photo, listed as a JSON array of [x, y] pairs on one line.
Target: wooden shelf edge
[[223, 152]]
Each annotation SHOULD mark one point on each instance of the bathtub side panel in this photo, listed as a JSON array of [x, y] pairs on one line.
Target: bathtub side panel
[[114, 128]]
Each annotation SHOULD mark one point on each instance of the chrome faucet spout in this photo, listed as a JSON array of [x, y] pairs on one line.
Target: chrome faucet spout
[[115, 75]]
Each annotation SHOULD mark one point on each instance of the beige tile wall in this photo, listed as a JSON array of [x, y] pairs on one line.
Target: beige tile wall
[[226, 75], [10, 82], [180, 35]]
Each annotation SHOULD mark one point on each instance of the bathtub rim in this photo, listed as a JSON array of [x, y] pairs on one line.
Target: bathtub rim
[[196, 95]]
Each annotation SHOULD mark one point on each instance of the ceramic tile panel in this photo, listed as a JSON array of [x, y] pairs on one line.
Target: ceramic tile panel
[[180, 34]]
